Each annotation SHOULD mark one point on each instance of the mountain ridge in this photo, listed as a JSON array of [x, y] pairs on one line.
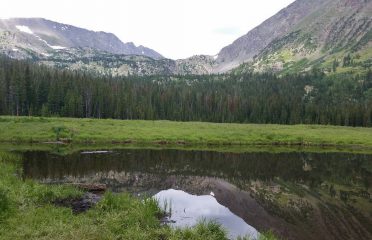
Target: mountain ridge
[[80, 49], [244, 48], [331, 35], [304, 35], [48, 33]]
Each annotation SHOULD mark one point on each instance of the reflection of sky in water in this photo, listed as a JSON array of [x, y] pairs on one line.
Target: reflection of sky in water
[[188, 209]]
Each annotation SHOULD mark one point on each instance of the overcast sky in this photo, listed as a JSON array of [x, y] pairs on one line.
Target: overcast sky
[[174, 28]]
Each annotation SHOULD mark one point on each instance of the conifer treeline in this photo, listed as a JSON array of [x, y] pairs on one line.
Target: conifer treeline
[[30, 89]]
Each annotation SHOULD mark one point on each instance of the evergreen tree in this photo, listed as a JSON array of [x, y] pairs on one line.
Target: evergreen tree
[[312, 98]]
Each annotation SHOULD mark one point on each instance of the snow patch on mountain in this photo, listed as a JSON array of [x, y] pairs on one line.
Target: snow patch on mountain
[[24, 29], [56, 47], [51, 46]]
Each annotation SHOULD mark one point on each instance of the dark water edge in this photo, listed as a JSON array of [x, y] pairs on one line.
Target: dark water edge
[[300, 195], [65, 148]]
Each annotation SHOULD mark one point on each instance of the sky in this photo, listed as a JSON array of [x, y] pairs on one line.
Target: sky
[[174, 28]]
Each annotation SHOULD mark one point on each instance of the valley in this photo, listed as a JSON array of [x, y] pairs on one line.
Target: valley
[[267, 137]]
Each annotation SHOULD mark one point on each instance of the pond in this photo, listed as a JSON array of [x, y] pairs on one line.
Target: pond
[[299, 195]]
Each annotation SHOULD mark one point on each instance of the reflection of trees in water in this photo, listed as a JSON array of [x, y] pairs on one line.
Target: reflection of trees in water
[[332, 191], [311, 169]]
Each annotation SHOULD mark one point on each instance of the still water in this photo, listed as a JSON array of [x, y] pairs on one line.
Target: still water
[[299, 195]]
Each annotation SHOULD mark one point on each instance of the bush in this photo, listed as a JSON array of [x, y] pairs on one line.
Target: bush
[[62, 132]]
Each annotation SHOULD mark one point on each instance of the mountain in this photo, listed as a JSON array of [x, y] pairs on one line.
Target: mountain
[[39, 36], [305, 34], [64, 46], [331, 35]]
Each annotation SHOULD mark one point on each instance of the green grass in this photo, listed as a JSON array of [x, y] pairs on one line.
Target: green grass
[[35, 129], [27, 212]]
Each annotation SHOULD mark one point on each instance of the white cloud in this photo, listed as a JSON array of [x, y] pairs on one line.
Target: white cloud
[[175, 28]]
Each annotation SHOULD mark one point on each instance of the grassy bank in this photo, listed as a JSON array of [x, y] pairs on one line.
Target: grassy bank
[[35, 129], [27, 212]]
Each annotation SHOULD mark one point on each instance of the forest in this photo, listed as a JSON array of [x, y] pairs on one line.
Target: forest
[[29, 89]]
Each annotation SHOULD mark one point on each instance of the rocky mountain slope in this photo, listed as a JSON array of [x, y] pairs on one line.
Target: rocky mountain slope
[[123, 65], [306, 34], [43, 37], [332, 35], [74, 48]]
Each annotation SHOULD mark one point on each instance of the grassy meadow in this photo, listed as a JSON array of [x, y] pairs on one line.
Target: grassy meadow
[[104, 131]]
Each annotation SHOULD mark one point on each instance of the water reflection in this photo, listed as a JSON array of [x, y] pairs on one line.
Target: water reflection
[[299, 195], [187, 210]]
